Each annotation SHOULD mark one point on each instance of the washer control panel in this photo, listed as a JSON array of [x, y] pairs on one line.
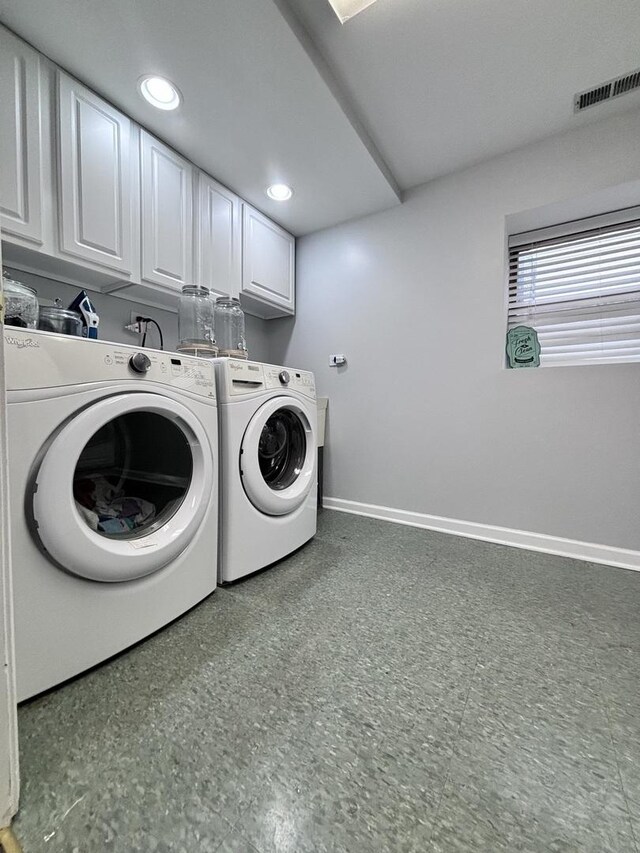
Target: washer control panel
[[37, 359]]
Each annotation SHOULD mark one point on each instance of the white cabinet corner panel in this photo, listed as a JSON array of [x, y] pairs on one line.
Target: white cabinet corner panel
[[219, 238], [9, 775], [268, 266], [20, 139], [167, 215], [95, 178]]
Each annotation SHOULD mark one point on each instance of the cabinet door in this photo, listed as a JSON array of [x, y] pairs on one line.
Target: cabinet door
[[167, 216], [219, 243], [20, 139], [95, 178], [268, 265]]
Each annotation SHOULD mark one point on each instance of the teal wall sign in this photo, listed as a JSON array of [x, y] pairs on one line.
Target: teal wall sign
[[523, 347]]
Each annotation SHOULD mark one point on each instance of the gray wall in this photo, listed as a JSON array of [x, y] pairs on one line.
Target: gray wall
[[425, 417], [258, 338], [115, 313]]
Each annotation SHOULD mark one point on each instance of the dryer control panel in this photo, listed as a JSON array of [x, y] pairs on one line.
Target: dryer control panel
[[287, 377], [241, 378], [36, 359]]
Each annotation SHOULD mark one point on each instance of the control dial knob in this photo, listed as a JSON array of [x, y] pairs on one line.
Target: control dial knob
[[284, 377], [139, 362]]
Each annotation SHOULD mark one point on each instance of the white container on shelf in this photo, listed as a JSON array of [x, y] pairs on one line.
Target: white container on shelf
[[229, 327], [322, 418], [195, 322]]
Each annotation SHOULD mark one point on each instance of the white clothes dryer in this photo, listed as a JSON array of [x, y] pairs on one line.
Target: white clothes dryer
[[113, 473], [268, 452]]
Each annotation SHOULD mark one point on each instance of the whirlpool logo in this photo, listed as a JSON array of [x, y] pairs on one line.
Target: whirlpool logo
[[21, 343]]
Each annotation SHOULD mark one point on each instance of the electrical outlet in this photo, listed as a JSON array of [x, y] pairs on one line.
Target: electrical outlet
[[133, 325]]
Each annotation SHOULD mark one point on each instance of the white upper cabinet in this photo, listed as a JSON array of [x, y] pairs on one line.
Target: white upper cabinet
[[96, 179], [96, 199], [167, 215], [268, 266], [218, 238], [20, 140]]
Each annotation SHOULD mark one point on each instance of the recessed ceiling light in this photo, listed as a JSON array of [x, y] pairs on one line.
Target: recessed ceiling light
[[279, 192], [346, 9], [159, 92]]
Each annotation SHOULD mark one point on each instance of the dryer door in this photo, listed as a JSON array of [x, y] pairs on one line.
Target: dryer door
[[278, 456], [123, 487]]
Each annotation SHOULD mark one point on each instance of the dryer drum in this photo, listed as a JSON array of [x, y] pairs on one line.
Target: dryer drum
[[282, 449], [278, 456]]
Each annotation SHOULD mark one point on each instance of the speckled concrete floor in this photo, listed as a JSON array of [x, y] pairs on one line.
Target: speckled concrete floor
[[384, 689]]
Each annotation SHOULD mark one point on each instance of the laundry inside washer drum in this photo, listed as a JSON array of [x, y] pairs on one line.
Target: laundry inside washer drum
[[132, 475], [282, 449]]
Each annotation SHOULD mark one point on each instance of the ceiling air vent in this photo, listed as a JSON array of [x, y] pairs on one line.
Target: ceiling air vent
[[607, 91]]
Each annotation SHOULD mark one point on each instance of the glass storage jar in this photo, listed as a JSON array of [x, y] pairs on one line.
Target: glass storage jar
[[195, 322], [229, 326], [55, 318], [20, 304]]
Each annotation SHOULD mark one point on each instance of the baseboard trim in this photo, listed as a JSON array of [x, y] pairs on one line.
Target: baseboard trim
[[607, 555]]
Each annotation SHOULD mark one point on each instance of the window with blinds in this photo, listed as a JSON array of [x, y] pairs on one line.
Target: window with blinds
[[578, 285]]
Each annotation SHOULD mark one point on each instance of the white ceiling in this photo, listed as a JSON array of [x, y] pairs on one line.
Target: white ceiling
[[442, 84], [278, 90], [255, 109]]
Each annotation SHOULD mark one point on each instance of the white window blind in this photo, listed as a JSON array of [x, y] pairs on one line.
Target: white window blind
[[578, 285]]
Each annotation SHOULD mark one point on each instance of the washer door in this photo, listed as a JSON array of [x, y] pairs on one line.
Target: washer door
[[278, 456], [123, 487]]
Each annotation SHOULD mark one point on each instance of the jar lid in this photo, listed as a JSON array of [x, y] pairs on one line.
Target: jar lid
[[195, 290], [227, 299], [18, 286], [55, 311]]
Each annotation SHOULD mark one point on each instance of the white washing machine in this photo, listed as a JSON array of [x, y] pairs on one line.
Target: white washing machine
[[268, 451], [114, 501]]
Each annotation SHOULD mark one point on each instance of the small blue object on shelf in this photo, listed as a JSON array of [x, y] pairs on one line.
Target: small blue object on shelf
[[90, 319], [523, 347]]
